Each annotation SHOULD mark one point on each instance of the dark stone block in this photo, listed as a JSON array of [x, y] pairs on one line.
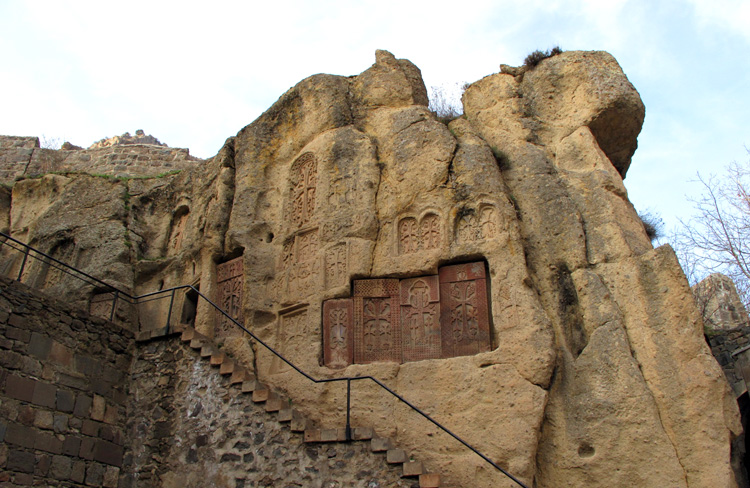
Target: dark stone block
[[71, 446], [87, 448], [3, 428], [48, 443], [229, 457], [20, 435], [76, 382], [108, 453], [40, 345], [20, 388], [43, 462], [60, 468], [78, 472], [90, 427], [45, 395], [82, 406], [162, 429], [65, 400], [21, 461], [95, 474]]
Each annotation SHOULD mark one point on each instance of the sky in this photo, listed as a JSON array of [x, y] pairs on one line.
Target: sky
[[194, 73]]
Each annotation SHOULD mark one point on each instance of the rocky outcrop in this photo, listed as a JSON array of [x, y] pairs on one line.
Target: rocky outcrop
[[347, 222], [139, 138]]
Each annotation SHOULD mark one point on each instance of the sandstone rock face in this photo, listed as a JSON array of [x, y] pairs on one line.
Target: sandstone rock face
[[327, 226]]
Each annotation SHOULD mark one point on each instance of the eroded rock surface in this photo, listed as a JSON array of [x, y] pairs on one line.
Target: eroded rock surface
[[597, 373]]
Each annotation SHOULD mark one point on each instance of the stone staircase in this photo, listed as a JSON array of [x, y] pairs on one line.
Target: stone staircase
[[247, 384]]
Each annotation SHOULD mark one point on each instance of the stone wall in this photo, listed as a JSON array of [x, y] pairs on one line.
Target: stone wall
[[63, 391], [188, 427], [22, 157], [725, 342]]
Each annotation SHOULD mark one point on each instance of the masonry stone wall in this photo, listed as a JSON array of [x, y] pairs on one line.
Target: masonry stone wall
[[22, 157], [189, 428], [725, 342], [63, 392]]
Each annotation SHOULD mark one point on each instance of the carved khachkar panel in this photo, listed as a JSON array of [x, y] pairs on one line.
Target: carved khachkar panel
[[178, 232], [300, 264], [303, 182], [464, 312], [338, 332], [229, 277], [475, 225], [336, 265], [377, 330], [420, 318], [416, 236]]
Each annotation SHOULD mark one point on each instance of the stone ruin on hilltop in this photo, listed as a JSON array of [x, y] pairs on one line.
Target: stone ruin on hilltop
[[491, 270]]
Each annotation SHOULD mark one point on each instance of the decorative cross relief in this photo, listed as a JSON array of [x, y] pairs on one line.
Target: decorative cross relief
[[474, 225], [229, 278], [464, 315], [178, 231], [303, 183], [424, 235], [428, 317], [420, 318], [376, 327], [338, 333]]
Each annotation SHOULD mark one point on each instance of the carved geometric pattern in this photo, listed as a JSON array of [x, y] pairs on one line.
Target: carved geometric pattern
[[427, 317], [464, 314], [338, 332], [300, 264], [477, 225], [377, 331], [420, 318], [424, 235], [229, 277], [336, 266], [303, 182]]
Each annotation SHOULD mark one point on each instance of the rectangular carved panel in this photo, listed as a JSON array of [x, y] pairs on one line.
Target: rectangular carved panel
[[338, 332], [229, 277], [464, 314], [377, 330], [420, 318]]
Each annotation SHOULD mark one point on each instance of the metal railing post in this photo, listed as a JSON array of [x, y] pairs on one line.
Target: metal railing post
[[348, 430], [169, 314], [114, 307], [23, 263]]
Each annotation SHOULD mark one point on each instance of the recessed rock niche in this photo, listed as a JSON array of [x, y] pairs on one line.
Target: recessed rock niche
[[427, 317]]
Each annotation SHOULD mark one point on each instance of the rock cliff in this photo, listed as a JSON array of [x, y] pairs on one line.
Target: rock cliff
[[492, 270]]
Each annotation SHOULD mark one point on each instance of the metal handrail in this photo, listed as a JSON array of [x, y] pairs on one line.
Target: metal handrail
[[124, 295]]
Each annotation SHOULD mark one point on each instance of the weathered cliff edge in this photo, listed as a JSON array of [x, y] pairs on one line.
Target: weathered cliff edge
[[598, 373]]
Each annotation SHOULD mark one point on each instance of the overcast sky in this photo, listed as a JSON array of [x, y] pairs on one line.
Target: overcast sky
[[193, 74]]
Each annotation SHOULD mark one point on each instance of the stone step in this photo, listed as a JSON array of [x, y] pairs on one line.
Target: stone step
[[285, 415], [251, 384], [396, 456], [362, 433], [187, 334], [380, 445], [240, 375], [196, 343], [299, 423], [217, 358], [412, 468], [274, 403], [226, 367], [207, 350], [260, 395], [429, 480]]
